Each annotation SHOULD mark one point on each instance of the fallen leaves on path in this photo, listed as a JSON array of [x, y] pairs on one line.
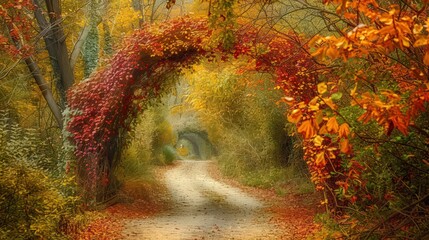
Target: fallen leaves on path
[[297, 216], [138, 199], [293, 212], [106, 228], [144, 199]]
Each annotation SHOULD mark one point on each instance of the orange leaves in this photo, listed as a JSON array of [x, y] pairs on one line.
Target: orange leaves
[[426, 58], [332, 52], [423, 41], [103, 229], [344, 130], [388, 111], [307, 128], [294, 116], [345, 146], [400, 122], [325, 139], [343, 133], [332, 125], [388, 31], [320, 159], [331, 47]]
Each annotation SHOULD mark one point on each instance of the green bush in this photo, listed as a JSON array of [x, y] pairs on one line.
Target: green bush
[[242, 119], [169, 153], [33, 204]]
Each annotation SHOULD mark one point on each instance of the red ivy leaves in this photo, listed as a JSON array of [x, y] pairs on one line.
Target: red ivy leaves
[[102, 104], [16, 16]]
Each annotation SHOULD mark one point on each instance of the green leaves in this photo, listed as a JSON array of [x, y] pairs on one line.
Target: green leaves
[[31, 204]]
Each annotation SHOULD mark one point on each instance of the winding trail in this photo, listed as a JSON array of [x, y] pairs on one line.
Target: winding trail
[[204, 208]]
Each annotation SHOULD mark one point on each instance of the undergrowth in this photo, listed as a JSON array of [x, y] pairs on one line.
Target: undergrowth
[[283, 179], [37, 200]]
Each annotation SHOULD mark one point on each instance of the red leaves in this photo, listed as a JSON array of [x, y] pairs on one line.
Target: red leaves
[[19, 24], [103, 229], [102, 104]]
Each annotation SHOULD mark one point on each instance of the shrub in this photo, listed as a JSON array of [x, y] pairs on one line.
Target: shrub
[[30, 204], [243, 121]]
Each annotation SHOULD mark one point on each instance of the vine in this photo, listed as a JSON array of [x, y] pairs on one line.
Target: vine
[[140, 71]]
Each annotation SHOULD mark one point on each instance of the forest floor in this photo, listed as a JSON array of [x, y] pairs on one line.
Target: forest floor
[[196, 202]]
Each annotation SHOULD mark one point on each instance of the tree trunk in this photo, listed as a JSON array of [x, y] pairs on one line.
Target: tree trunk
[[78, 46], [41, 83], [54, 37], [45, 89]]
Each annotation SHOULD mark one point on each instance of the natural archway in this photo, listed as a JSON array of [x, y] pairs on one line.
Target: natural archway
[[106, 104], [202, 147]]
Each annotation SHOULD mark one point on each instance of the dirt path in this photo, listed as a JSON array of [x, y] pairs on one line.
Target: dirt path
[[204, 209]]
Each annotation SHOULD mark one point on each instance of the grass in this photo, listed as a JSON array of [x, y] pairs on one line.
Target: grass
[[284, 180], [136, 163]]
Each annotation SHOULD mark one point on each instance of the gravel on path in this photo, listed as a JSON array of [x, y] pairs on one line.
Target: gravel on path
[[204, 208]]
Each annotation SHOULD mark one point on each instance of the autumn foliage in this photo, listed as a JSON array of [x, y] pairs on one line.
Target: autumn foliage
[[374, 116], [106, 102], [358, 97], [360, 93], [20, 25]]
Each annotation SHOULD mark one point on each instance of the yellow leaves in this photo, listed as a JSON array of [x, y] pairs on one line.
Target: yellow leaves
[[322, 87], [318, 140], [393, 10], [386, 19], [344, 130], [406, 42], [421, 42], [288, 100], [307, 129], [330, 47], [392, 96], [320, 159], [330, 103], [417, 28], [353, 91], [427, 24]]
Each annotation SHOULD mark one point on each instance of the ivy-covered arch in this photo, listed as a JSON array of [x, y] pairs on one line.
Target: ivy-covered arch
[[106, 103]]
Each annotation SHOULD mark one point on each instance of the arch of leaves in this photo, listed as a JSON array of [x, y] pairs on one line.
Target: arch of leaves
[[105, 105]]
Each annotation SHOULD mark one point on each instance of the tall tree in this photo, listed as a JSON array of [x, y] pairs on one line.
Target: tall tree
[[19, 39], [55, 42], [16, 41]]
